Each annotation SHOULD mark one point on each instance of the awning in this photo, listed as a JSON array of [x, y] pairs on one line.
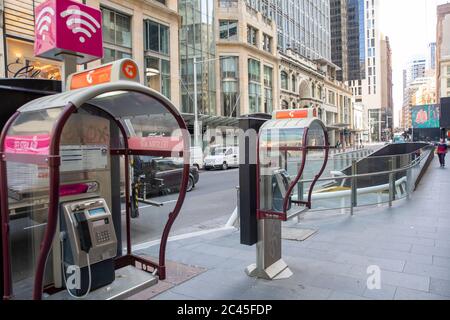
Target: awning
[[211, 121]]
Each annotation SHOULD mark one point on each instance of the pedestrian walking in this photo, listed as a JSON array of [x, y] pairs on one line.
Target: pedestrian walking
[[442, 152]]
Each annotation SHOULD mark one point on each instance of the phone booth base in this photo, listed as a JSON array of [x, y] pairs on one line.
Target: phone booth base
[[128, 282], [270, 265]]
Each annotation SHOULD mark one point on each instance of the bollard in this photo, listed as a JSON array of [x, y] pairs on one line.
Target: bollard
[[354, 187]]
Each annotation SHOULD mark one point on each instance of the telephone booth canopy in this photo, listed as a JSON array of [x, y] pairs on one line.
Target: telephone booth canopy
[[107, 123], [285, 144]]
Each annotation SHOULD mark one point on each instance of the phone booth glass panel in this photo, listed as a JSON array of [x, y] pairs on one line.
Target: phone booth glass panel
[[285, 146], [69, 157]]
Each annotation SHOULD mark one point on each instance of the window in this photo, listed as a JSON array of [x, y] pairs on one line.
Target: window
[[284, 105], [228, 3], [111, 55], [156, 37], [252, 35], [229, 70], [158, 74], [268, 89], [116, 35], [294, 83], [448, 70], [267, 43], [254, 79], [284, 80], [228, 29], [448, 82]]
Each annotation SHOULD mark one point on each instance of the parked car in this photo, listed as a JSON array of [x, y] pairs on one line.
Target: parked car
[[197, 157], [162, 175], [222, 158]]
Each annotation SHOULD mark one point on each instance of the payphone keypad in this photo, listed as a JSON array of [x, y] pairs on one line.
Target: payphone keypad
[[103, 236]]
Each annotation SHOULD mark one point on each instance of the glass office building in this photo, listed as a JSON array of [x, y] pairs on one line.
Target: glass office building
[[197, 40], [356, 40], [303, 25]]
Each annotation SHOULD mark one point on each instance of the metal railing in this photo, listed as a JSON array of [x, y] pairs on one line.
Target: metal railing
[[398, 183]]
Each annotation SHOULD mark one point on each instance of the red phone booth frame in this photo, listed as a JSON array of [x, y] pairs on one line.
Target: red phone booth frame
[[73, 101], [284, 117]]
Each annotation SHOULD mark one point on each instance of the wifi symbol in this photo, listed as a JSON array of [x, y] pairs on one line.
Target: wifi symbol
[[80, 22], [44, 20]]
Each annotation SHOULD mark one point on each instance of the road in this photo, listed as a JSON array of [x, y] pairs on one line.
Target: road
[[208, 206]]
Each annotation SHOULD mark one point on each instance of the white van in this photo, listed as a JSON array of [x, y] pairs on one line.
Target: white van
[[197, 157], [222, 158]]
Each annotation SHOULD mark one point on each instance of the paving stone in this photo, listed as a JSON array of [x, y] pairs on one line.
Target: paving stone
[[386, 292], [340, 283], [169, 295], [406, 256], [409, 294], [428, 270], [440, 287], [442, 252], [336, 295], [400, 279], [388, 264], [441, 261]]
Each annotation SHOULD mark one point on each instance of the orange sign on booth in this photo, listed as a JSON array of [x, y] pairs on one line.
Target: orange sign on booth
[[91, 78], [125, 69], [292, 114]]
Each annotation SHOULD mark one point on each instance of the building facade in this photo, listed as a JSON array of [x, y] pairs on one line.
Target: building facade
[[443, 52], [416, 68], [248, 62], [370, 76], [339, 37], [431, 61], [146, 31]]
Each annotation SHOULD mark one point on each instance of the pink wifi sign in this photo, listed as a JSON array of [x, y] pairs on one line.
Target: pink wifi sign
[[64, 26]]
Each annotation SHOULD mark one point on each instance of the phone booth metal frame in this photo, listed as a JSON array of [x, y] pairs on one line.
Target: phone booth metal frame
[[294, 132], [70, 102], [304, 148]]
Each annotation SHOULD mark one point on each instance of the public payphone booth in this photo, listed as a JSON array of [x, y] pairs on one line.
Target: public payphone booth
[[67, 158], [284, 145]]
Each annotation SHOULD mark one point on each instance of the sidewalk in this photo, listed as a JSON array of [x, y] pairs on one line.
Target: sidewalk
[[409, 242]]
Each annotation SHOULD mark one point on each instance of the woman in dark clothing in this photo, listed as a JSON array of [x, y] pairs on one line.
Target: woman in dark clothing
[[442, 152]]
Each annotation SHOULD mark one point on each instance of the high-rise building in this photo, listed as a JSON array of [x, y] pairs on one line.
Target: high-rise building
[[356, 42], [339, 37], [387, 97], [370, 66], [443, 52], [303, 26], [416, 68], [431, 63]]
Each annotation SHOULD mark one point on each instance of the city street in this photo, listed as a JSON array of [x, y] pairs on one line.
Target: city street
[[208, 206]]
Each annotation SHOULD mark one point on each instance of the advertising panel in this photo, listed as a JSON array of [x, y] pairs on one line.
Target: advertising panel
[[425, 117]]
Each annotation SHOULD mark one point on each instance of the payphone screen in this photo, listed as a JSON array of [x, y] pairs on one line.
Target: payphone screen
[[97, 211]]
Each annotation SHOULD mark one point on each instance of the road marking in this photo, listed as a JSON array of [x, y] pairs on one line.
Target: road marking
[[150, 244], [148, 206]]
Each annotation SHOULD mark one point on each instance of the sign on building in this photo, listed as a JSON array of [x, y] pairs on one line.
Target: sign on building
[[64, 26]]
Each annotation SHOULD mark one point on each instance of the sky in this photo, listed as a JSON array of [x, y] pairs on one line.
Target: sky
[[410, 26]]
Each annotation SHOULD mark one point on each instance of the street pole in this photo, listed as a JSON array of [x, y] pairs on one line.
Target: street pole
[[196, 129]]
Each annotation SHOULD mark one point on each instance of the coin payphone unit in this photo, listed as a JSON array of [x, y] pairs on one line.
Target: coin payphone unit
[[66, 160], [89, 242], [284, 144]]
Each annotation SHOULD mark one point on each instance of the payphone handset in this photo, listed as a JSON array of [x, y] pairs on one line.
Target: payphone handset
[[91, 231], [280, 185]]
